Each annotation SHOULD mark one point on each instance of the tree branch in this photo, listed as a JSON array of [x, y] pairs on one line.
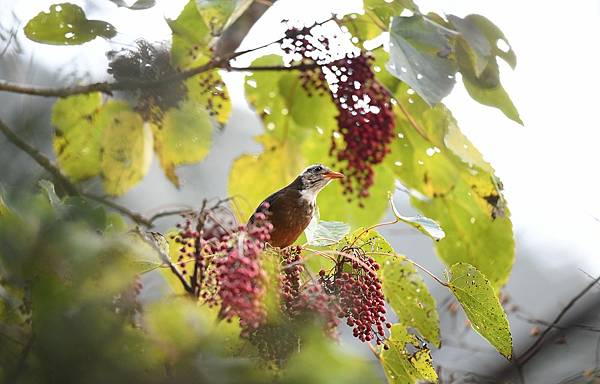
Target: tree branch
[[534, 348]]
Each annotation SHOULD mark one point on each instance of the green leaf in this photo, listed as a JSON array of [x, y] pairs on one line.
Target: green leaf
[[364, 27], [382, 11], [191, 37], [323, 233], [77, 137], [402, 367], [452, 184], [127, 147], [418, 56], [138, 5], [215, 13], [495, 37], [210, 91], [478, 47], [410, 299], [487, 89], [480, 302], [480, 74], [422, 223], [371, 242], [182, 137], [66, 24]]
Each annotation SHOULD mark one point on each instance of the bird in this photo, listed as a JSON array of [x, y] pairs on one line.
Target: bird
[[291, 209]]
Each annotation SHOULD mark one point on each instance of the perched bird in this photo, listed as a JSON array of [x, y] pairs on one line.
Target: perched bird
[[291, 208]]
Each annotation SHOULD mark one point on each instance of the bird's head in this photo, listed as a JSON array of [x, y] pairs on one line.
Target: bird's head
[[315, 178]]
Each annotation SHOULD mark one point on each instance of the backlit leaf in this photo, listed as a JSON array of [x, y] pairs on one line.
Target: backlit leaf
[[418, 56], [480, 302], [191, 37], [382, 11], [215, 13], [422, 223], [402, 367], [182, 137], [322, 233], [477, 46], [66, 24], [410, 299], [456, 189], [370, 241], [127, 147], [77, 137]]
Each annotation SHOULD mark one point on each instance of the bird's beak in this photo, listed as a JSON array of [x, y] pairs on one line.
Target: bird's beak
[[333, 175]]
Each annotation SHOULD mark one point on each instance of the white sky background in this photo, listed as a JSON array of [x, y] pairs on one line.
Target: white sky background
[[550, 167]]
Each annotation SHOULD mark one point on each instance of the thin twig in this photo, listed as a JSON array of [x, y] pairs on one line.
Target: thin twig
[[110, 87], [534, 348]]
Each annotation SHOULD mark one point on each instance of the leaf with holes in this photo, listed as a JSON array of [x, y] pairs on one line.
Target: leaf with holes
[[77, 137], [182, 137], [451, 183], [66, 24], [480, 302], [410, 299], [419, 51], [126, 145], [401, 366]]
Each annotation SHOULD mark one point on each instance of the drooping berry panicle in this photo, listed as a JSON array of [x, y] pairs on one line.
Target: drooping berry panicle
[[301, 301], [240, 277], [365, 118], [362, 302]]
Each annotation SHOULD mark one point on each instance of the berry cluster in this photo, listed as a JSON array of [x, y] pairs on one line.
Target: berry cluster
[[365, 118], [362, 303], [241, 280]]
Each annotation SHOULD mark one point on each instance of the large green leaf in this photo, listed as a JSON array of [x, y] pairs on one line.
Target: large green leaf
[[410, 299], [77, 137], [370, 242], [126, 145], [418, 56], [182, 137], [402, 367], [191, 37], [478, 298], [66, 24], [452, 184]]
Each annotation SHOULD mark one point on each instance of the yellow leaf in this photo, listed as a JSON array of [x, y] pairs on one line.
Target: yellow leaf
[[183, 137], [77, 137], [127, 147]]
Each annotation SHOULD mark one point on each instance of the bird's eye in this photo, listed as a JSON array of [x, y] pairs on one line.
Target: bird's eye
[[318, 168]]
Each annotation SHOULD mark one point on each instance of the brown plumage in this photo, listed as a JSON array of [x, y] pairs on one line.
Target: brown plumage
[[291, 208]]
